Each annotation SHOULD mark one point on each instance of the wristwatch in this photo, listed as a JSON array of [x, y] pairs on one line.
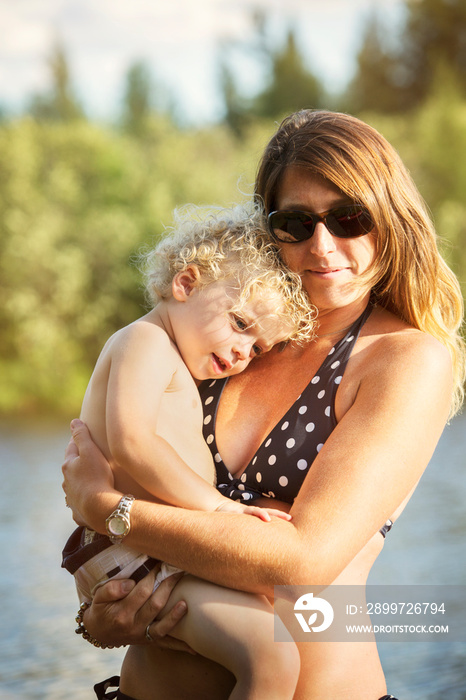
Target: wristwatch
[[118, 523]]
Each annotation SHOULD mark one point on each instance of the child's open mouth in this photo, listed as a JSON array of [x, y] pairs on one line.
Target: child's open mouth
[[219, 364]]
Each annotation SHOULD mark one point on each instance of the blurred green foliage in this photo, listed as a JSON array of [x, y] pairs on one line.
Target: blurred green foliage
[[397, 71], [288, 84], [78, 200], [60, 103]]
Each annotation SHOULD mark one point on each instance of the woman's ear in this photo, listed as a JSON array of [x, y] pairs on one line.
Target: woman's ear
[[185, 282]]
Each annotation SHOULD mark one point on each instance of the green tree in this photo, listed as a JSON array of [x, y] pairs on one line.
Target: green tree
[[291, 85], [374, 86], [435, 34], [77, 202], [237, 108], [67, 231], [60, 104], [399, 76], [138, 98]]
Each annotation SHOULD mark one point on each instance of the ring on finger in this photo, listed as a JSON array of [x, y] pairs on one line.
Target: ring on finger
[[148, 637]]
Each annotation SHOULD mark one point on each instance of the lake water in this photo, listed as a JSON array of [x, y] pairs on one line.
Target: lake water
[[42, 657]]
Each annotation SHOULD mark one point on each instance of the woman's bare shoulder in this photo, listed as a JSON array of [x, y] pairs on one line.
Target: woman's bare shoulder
[[388, 341], [392, 358]]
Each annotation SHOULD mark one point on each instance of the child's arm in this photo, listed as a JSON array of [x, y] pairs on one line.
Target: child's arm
[[142, 366]]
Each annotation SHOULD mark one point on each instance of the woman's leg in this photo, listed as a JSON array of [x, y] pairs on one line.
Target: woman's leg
[[236, 630]]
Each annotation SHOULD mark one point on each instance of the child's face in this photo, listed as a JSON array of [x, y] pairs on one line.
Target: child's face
[[216, 341]]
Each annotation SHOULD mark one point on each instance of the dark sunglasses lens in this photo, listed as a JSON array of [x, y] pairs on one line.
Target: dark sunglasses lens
[[345, 222], [290, 227], [350, 222]]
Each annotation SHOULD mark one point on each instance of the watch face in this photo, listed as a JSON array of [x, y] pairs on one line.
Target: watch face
[[118, 526]]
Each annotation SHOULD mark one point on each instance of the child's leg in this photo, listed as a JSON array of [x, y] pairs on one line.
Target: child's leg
[[236, 630], [93, 561]]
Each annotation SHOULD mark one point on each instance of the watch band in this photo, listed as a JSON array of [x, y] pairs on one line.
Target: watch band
[[118, 523]]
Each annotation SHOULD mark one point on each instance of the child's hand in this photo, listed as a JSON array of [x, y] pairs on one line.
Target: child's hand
[[265, 514]]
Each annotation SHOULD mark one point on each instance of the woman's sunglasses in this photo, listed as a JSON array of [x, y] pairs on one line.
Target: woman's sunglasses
[[344, 222]]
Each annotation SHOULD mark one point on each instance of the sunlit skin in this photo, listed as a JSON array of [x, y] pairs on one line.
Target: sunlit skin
[[365, 473], [328, 265], [213, 337], [144, 411], [143, 383]]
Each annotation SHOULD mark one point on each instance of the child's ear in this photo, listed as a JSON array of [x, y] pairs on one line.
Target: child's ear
[[184, 282]]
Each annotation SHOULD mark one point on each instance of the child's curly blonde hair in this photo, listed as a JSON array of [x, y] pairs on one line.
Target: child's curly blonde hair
[[228, 244]]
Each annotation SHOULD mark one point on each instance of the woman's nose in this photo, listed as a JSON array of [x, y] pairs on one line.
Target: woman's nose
[[322, 242]]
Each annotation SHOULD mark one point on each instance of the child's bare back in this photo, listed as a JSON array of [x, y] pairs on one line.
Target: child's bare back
[[176, 416]]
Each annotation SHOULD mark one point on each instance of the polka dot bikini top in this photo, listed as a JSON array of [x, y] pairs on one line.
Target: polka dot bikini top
[[282, 461]]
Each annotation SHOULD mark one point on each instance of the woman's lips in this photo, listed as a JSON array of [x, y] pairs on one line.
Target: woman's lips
[[327, 271]]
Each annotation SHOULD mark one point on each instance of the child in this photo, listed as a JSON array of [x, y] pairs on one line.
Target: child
[[221, 298]]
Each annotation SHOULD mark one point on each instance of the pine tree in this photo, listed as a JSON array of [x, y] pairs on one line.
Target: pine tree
[[137, 100], [60, 104], [292, 86]]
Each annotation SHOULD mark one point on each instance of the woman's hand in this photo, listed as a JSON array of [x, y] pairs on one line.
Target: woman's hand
[[122, 611], [86, 472]]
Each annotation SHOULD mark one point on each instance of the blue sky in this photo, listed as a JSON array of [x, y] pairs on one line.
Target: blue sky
[[179, 39]]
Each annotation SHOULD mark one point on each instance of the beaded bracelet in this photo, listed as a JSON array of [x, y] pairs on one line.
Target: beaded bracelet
[[86, 635]]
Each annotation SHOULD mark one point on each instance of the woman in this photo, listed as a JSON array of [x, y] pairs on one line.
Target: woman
[[380, 380]]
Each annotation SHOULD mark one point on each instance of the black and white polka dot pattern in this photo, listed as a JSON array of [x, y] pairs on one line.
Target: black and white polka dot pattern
[[282, 461]]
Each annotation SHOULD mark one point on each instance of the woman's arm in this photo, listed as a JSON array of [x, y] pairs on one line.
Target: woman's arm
[[367, 467]]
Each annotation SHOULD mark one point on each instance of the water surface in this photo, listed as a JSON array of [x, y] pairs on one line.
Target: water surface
[[42, 657]]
